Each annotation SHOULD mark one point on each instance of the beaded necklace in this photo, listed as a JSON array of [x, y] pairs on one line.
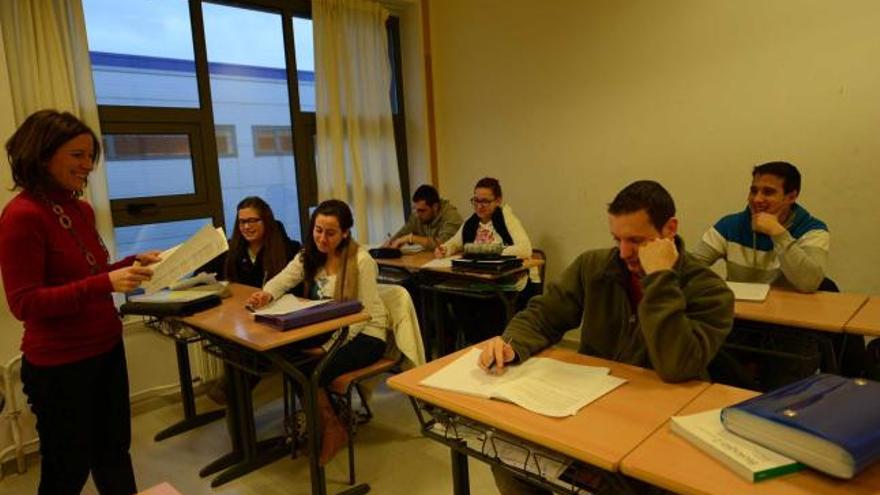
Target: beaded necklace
[[67, 224]]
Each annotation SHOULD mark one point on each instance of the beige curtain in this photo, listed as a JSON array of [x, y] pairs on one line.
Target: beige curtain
[[47, 65], [355, 142]]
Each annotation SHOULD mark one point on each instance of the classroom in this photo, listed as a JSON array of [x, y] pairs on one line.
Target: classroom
[[565, 102]]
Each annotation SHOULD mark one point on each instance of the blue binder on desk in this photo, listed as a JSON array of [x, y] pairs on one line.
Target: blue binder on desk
[[827, 422], [312, 314]]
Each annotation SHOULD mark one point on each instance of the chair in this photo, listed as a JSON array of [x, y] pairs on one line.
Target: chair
[[404, 347]]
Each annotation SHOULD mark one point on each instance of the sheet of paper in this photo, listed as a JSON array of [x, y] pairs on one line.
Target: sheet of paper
[[557, 398], [744, 291], [465, 376], [440, 262], [180, 260], [288, 303], [200, 279]]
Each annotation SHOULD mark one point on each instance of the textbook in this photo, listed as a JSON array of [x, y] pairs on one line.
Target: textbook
[[310, 313], [746, 291], [827, 422], [542, 385], [747, 459]]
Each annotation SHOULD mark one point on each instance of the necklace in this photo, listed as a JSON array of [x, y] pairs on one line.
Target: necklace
[[67, 224]]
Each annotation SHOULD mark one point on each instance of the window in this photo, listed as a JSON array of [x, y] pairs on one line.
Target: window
[[226, 144], [195, 119], [272, 140]]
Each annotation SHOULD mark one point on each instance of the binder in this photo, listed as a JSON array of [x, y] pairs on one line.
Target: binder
[[827, 422], [494, 264], [312, 314], [170, 303]]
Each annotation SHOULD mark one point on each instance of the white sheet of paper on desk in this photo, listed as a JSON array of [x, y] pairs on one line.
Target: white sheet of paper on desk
[[745, 291], [542, 385], [288, 303], [184, 258], [203, 278], [440, 262]]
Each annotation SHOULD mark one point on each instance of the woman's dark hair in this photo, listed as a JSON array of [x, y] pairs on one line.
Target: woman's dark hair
[[274, 247], [35, 142], [312, 258], [490, 183]]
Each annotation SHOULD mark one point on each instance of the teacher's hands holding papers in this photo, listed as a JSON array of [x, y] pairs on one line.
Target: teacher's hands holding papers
[[258, 300], [494, 356]]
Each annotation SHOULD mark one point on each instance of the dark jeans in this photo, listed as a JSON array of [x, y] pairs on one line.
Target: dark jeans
[[84, 423], [361, 351]]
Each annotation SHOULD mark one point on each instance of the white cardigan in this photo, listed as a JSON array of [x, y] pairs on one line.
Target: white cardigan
[[368, 292]]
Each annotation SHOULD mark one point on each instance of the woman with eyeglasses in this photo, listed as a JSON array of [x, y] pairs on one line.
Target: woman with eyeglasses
[[333, 266], [259, 250], [493, 223], [59, 281]]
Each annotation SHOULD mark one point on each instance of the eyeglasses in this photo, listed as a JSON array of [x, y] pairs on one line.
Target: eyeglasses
[[481, 201], [248, 221]]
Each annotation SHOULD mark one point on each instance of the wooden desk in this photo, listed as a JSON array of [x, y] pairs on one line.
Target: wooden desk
[[160, 489], [667, 460], [826, 311], [601, 434], [867, 320], [231, 322]]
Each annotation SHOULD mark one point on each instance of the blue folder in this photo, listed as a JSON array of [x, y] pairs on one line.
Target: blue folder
[[828, 422], [312, 314]]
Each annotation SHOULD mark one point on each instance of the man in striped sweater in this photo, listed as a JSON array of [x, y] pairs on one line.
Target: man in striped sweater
[[774, 240]]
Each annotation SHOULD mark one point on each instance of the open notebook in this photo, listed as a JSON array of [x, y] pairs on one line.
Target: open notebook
[[542, 385], [745, 291]]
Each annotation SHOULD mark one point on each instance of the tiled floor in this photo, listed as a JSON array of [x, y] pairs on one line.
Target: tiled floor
[[391, 455]]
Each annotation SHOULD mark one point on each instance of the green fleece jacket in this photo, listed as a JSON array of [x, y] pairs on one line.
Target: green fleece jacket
[[683, 318]]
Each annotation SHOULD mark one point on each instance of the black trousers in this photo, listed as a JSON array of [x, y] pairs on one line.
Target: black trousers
[[84, 422]]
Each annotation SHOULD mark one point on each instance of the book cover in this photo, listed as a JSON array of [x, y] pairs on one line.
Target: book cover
[[747, 459], [311, 314], [828, 422]]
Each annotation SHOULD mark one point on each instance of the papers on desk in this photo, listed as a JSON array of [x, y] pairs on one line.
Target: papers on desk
[[440, 262], [411, 248], [184, 258], [542, 385], [288, 303], [744, 291]]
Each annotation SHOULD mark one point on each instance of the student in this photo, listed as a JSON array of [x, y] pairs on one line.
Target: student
[[259, 250], [493, 223], [433, 220], [773, 240], [58, 282], [333, 265], [645, 302]]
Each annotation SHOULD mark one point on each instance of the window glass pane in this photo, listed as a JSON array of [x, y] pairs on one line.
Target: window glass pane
[[139, 238], [140, 165], [304, 51], [149, 61], [249, 92]]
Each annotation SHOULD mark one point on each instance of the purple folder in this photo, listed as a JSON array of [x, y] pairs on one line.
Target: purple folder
[[313, 314]]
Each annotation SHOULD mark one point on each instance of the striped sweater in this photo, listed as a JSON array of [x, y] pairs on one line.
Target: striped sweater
[[796, 258]]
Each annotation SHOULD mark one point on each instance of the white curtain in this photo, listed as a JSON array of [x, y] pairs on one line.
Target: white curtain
[[355, 151], [47, 65]]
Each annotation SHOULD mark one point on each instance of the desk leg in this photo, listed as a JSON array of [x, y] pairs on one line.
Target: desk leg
[[460, 476], [190, 418], [247, 453], [309, 387]]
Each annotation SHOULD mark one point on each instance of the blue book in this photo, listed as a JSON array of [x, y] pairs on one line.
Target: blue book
[[312, 314], [827, 422]]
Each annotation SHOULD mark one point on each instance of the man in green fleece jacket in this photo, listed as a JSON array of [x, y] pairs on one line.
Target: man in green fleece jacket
[[645, 302]]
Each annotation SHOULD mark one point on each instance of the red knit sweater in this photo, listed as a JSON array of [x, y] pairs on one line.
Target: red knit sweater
[[68, 313]]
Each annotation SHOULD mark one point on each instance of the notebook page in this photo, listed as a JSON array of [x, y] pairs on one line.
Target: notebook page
[[744, 291], [288, 303]]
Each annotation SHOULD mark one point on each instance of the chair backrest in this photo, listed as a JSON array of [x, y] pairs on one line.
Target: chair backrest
[[404, 335], [539, 254]]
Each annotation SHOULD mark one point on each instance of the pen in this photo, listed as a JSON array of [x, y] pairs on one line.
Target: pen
[[491, 366]]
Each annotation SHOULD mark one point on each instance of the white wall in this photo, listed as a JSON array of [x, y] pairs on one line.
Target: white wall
[[567, 101]]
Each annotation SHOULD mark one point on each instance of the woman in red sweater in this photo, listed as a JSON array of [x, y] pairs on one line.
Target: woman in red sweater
[[59, 283]]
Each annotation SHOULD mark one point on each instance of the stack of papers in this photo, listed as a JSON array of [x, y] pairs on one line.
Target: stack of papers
[[542, 385], [288, 303]]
